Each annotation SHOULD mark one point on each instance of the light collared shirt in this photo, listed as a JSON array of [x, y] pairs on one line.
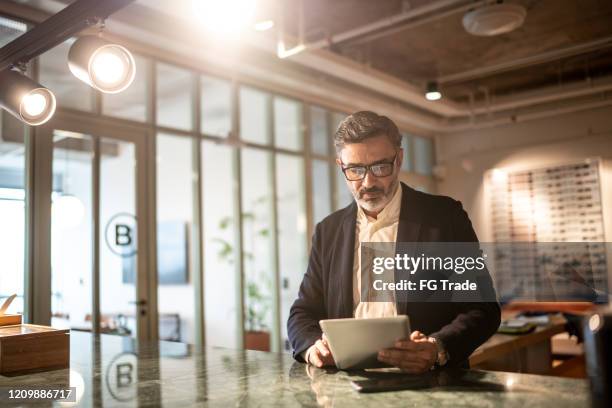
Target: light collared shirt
[[368, 229], [383, 228]]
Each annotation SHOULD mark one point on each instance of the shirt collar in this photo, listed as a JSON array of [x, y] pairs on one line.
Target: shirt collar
[[389, 214]]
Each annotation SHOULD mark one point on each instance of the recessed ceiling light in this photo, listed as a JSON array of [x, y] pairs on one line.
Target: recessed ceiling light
[[432, 93]]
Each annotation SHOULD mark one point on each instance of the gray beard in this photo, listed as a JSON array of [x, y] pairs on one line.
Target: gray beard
[[380, 203]]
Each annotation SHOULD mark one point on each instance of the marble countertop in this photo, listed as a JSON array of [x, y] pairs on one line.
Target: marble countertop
[[117, 371]]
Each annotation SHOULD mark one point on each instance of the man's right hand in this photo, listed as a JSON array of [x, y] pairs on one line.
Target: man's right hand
[[319, 354]]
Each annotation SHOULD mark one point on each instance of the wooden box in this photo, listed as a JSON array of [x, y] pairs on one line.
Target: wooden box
[[27, 348], [10, 319]]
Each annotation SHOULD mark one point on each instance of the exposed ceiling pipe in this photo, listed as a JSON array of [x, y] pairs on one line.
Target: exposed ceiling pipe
[[524, 117], [541, 58], [392, 21], [377, 27], [551, 94], [410, 23]]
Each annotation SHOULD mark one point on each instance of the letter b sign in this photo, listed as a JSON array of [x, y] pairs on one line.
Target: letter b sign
[[120, 235], [123, 235]]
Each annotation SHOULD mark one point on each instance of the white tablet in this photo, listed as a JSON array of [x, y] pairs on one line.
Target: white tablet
[[355, 343]]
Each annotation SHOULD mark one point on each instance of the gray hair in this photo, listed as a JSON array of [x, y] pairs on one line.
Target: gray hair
[[363, 125]]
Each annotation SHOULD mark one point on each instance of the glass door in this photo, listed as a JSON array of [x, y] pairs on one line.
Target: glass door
[[71, 230], [12, 211], [97, 250], [120, 304]]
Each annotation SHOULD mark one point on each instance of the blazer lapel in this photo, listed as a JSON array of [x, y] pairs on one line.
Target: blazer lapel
[[409, 225], [347, 253], [408, 231]]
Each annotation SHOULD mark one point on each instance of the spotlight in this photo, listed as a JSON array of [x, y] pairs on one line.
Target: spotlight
[[28, 101], [107, 67], [432, 94]]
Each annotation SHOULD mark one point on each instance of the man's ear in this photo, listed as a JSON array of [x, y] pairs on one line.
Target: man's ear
[[401, 157], [339, 158]]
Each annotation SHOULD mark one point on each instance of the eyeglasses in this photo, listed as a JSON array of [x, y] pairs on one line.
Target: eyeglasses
[[381, 169]]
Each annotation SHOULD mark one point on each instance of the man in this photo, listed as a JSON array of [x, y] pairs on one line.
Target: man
[[369, 153]]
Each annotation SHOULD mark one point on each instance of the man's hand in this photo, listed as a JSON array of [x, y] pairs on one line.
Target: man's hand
[[415, 355], [319, 354]]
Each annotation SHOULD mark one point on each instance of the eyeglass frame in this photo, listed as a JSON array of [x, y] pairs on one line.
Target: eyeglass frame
[[368, 168]]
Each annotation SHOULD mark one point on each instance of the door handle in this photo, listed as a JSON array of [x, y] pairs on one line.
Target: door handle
[[140, 302]]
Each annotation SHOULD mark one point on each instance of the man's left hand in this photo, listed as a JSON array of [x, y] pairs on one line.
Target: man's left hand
[[414, 355]]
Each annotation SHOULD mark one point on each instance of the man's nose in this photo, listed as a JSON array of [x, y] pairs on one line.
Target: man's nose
[[369, 180]]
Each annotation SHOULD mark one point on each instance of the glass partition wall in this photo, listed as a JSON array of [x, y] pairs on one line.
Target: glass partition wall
[[13, 186], [12, 211], [71, 230], [97, 244], [236, 178]]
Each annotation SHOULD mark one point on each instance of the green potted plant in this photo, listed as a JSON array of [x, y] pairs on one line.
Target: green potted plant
[[257, 306], [257, 301]]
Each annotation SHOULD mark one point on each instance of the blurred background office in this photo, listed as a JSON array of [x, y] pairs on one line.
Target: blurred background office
[[182, 208]]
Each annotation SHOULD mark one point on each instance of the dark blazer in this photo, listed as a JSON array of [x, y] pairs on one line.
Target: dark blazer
[[326, 291]]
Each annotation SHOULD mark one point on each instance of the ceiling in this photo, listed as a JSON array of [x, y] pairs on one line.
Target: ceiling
[[364, 53], [435, 46]]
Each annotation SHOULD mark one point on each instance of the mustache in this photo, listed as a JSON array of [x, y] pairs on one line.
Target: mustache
[[370, 190]]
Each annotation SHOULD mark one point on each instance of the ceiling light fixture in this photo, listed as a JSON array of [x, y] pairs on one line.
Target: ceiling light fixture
[[494, 19], [25, 99], [432, 93], [107, 67]]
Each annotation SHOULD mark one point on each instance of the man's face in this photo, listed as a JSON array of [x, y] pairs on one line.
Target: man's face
[[372, 193]]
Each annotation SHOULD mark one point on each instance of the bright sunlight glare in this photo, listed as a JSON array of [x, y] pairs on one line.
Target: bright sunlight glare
[[225, 17]]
